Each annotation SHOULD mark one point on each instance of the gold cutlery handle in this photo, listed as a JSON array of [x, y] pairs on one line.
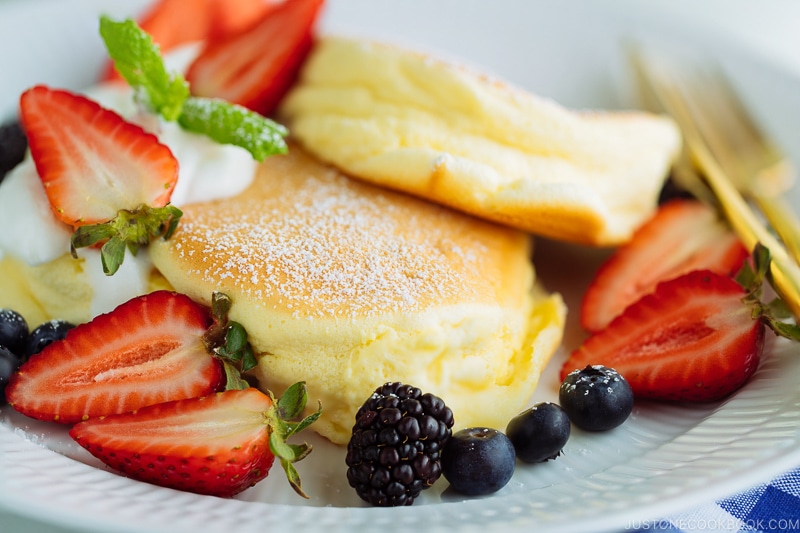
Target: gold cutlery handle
[[784, 271]]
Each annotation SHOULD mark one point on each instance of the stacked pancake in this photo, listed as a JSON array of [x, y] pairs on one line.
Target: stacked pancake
[[437, 130], [346, 286], [423, 275]]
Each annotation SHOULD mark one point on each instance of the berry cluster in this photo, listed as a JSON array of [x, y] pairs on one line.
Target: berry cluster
[[402, 442], [18, 343]]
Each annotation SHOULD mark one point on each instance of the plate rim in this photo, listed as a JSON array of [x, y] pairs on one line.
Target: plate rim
[[772, 467]]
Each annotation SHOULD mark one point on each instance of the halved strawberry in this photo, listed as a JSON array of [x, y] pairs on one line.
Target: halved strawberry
[[693, 339], [171, 23], [148, 350], [255, 68], [229, 17], [219, 445], [682, 236], [91, 161]]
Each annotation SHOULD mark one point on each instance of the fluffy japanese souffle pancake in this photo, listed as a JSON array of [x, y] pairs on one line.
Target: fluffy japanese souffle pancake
[[347, 286], [404, 120]]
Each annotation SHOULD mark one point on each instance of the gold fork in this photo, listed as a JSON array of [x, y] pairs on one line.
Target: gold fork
[[755, 166], [733, 156]]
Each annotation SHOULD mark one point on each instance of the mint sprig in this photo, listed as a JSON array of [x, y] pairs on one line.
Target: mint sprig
[[138, 60], [228, 123]]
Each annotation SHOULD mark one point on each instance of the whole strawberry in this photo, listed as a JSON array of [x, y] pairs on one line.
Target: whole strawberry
[[217, 445]]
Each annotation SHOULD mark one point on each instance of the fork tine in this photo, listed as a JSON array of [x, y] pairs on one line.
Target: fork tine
[[684, 171], [785, 273], [750, 160], [733, 134], [754, 163], [784, 221]]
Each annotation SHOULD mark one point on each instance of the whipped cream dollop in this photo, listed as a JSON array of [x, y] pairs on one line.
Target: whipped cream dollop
[[30, 232]]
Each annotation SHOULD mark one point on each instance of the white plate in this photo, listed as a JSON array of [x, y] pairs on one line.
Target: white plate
[[664, 459]]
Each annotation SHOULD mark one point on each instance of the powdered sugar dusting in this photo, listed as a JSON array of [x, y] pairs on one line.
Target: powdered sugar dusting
[[319, 246]]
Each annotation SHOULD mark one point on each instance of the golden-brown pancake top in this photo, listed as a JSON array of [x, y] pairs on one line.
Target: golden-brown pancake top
[[308, 240]]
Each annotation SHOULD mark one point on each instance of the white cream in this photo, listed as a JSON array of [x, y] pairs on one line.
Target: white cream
[[207, 171], [28, 228], [31, 233], [129, 281]]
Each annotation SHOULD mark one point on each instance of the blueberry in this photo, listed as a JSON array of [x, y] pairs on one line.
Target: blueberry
[[47, 333], [478, 461], [13, 331], [13, 145], [539, 433], [9, 363], [596, 398]]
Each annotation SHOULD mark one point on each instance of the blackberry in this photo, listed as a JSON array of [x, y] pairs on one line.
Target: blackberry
[[394, 451]]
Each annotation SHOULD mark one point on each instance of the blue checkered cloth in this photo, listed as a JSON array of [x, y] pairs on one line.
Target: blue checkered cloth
[[771, 507]]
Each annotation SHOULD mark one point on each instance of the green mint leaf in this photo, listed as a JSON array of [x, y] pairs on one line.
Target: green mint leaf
[[228, 123], [138, 59]]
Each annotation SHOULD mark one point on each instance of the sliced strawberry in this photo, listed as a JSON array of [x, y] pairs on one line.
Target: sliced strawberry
[[220, 445], [92, 162], [229, 17], [692, 339], [146, 351], [255, 68], [682, 236], [216, 445], [172, 23]]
